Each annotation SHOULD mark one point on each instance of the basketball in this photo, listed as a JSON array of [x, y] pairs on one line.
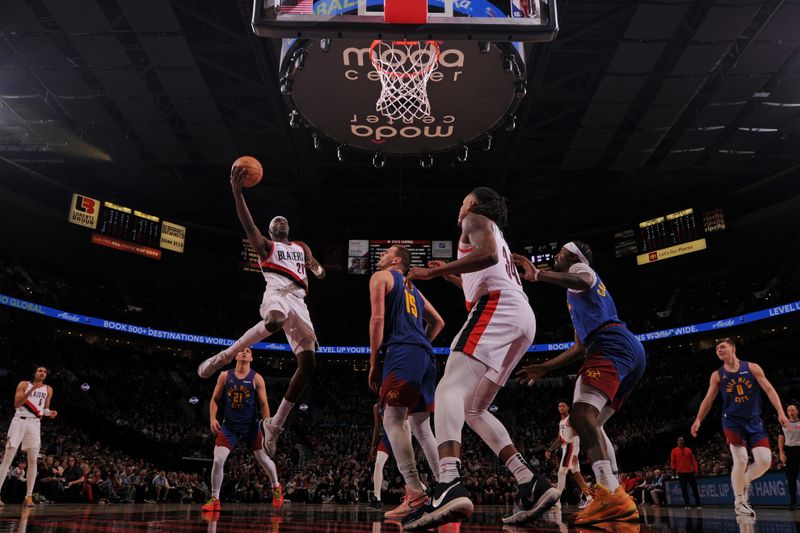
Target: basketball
[[254, 170]]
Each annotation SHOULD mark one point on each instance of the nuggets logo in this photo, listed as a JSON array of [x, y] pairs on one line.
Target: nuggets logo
[[392, 395], [238, 395], [740, 387], [83, 211], [592, 373]]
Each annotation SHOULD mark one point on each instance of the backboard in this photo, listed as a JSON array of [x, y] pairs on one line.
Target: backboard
[[486, 20]]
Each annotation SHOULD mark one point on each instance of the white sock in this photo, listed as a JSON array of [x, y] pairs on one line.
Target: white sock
[[611, 454], [517, 465], [604, 475], [268, 465], [218, 469], [448, 469], [283, 411]]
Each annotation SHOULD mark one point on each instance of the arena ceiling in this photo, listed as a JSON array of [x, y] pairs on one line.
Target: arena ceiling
[[637, 107]]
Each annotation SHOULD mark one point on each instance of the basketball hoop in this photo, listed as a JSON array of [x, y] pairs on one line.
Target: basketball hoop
[[404, 68]]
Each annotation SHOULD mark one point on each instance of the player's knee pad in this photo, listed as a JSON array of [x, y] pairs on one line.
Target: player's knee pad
[[274, 321]]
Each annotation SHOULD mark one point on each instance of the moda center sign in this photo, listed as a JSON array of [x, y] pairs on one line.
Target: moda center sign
[[336, 90]]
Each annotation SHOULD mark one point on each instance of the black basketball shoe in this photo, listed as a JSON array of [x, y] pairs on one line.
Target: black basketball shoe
[[449, 502], [534, 498]]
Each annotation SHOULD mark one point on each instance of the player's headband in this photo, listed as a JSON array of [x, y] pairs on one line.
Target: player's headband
[[574, 249], [271, 222]]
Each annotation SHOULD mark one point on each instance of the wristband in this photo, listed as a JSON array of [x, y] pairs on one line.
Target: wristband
[[317, 270], [46, 412]]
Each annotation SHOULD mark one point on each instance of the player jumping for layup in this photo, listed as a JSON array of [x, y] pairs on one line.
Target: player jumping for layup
[[284, 265], [741, 383], [409, 372], [615, 364], [499, 330], [241, 387]]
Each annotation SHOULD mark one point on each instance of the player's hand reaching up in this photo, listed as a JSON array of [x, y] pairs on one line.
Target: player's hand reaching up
[[215, 427], [528, 375], [238, 174], [374, 378], [529, 270]]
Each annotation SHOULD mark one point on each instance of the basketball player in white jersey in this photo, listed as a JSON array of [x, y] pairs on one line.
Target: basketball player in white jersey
[[284, 264], [499, 330], [32, 403], [570, 449]]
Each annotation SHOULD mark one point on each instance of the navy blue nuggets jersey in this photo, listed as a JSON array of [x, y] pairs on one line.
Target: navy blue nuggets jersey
[[404, 323], [741, 393], [240, 399], [592, 308]]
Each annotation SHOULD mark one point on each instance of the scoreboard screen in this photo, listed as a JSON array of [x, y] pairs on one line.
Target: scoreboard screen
[[669, 236], [129, 225], [543, 255], [363, 255], [420, 252], [249, 260]]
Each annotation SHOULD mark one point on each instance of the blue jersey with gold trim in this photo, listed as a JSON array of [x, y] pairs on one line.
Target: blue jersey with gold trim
[[592, 308], [741, 393], [240, 399], [404, 323]]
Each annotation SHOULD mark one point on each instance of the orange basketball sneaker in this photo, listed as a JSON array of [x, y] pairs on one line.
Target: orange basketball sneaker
[[277, 497], [212, 505], [608, 507], [411, 502]]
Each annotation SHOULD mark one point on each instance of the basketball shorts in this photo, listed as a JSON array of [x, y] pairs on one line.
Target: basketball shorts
[[615, 363], [409, 378], [498, 332], [230, 435], [25, 433], [747, 432], [385, 446], [297, 327], [569, 455]]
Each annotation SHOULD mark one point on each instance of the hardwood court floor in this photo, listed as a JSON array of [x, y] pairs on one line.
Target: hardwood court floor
[[301, 518]]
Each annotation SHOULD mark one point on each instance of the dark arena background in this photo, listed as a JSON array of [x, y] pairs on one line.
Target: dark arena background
[[665, 135]]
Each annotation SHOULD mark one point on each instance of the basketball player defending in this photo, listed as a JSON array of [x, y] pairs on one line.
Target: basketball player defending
[[402, 326], [32, 403], [740, 384], [615, 363], [570, 449], [499, 330], [284, 265], [242, 386]]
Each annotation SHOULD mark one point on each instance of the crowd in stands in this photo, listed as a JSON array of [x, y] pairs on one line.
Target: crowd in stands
[[133, 423]]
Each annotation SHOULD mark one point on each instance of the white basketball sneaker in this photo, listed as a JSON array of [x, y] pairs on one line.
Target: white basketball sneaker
[[270, 434], [210, 366]]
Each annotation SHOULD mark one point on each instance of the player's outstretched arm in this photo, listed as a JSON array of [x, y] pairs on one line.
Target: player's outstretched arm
[[455, 279], [528, 375], [379, 286], [260, 244], [434, 323], [478, 231], [708, 401], [580, 281], [311, 262], [770, 391]]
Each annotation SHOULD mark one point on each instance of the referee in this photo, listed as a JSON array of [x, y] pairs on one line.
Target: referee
[[789, 446]]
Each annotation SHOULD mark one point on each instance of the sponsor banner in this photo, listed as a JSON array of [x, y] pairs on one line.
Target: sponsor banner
[[357, 248], [173, 236], [672, 251], [792, 307], [83, 211], [125, 246], [769, 489], [442, 249]]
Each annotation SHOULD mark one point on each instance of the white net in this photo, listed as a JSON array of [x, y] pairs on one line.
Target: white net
[[404, 68]]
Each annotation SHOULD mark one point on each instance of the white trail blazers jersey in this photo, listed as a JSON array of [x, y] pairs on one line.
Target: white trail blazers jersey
[[34, 404], [502, 276], [285, 267]]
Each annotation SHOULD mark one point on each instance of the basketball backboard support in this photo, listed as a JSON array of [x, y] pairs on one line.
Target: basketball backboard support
[[463, 20]]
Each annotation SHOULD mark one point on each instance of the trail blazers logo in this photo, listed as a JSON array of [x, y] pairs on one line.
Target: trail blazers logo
[[592, 373]]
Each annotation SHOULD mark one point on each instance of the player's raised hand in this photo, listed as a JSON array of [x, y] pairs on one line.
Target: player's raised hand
[[529, 270], [238, 174], [528, 375], [420, 273], [374, 378], [215, 427], [695, 428]]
